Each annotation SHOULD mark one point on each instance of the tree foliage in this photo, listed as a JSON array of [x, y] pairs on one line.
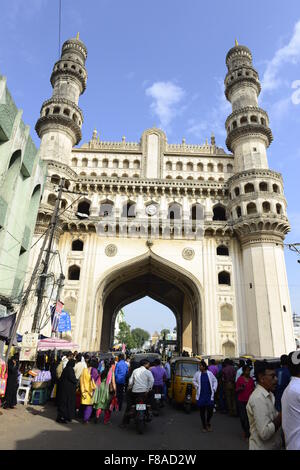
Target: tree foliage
[[132, 338], [139, 336]]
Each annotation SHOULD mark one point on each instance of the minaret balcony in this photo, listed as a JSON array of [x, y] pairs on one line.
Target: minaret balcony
[[69, 68], [244, 75]]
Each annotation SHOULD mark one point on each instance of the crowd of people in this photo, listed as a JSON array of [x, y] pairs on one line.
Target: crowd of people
[[265, 396]]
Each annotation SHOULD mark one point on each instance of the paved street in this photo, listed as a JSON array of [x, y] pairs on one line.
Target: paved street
[[35, 427]]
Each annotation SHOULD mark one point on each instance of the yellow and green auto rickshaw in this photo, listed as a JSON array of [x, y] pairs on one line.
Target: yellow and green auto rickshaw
[[181, 389]]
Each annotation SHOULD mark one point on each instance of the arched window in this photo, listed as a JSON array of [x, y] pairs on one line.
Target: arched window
[[129, 209], [56, 110], [74, 273], [219, 213], [169, 166], [135, 176], [211, 178], [124, 175], [263, 121], [106, 209], [249, 188], [84, 162], [115, 163], [136, 164], [278, 208], [224, 278], [266, 206], [93, 173], [237, 191], [226, 313], [105, 163], [66, 112], [275, 188], [189, 167], [51, 199], [238, 211], [77, 245], [251, 208], [55, 179], [222, 250], [168, 177], [126, 164], [174, 211], [82, 173], [244, 120], [228, 349], [114, 175], [210, 167], [220, 167], [95, 163], [200, 178], [190, 178], [234, 125], [103, 174], [263, 186], [179, 178], [253, 118], [178, 166], [74, 162], [199, 166], [197, 212], [84, 208], [229, 168]]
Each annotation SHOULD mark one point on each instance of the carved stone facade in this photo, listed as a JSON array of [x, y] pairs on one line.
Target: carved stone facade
[[196, 228]]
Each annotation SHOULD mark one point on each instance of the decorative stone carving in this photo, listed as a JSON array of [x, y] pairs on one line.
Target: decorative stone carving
[[111, 250], [188, 253]]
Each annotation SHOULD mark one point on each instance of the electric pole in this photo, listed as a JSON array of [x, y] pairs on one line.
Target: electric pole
[[43, 276]]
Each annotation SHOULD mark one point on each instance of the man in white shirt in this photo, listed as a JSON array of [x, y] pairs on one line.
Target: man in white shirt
[[140, 382], [290, 405], [264, 419]]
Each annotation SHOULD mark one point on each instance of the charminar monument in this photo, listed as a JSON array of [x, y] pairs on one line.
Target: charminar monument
[[195, 228]]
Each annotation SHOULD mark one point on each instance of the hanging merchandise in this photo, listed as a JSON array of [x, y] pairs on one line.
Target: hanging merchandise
[[55, 315], [3, 378]]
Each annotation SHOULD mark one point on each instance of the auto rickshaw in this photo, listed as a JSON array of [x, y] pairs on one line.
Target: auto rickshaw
[[181, 390]]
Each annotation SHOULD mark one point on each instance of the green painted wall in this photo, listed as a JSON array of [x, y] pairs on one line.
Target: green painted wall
[[22, 178]]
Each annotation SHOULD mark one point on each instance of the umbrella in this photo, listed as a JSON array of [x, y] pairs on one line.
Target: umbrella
[[56, 343]]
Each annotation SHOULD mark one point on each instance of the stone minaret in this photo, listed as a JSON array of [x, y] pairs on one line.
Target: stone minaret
[[257, 212], [59, 125]]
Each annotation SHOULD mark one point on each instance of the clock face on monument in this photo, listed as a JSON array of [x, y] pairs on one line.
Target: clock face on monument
[[151, 209]]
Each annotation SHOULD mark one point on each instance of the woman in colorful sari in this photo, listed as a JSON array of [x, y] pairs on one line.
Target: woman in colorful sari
[[104, 393], [88, 381]]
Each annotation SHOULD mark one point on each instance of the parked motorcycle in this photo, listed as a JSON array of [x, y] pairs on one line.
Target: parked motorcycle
[[141, 413]]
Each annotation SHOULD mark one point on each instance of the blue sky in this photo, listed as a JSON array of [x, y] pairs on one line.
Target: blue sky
[[163, 63]]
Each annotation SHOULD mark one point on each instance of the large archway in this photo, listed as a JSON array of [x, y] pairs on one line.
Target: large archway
[[161, 280]]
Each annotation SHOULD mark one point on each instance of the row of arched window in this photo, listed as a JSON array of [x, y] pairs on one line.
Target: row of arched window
[[113, 175], [199, 167], [105, 163], [174, 210], [263, 186], [252, 209], [244, 120]]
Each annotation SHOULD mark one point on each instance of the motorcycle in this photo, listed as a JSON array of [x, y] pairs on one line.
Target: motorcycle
[[157, 400], [141, 413]]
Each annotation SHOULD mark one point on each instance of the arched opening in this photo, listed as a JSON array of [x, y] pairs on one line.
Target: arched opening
[[106, 209], [178, 166], [275, 188], [251, 208], [129, 210], [210, 167], [219, 213], [199, 166], [220, 167], [115, 163], [136, 164], [278, 208], [224, 278], [85, 162], [51, 200], [229, 168], [222, 250], [84, 208], [95, 163], [266, 206], [105, 163], [237, 191], [77, 245], [174, 211], [169, 166], [197, 212], [226, 313], [263, 186], [163, 282], [249, 188], [228, 349], [189, 167], [238, 211], [126, 164], [74, 273]]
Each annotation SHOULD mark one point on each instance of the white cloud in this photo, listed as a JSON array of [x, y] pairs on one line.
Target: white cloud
[[166, 97], [287, 54]]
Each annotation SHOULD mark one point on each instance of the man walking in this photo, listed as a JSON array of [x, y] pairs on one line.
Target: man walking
[[264, 419], [228, 378], [121, 372]]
